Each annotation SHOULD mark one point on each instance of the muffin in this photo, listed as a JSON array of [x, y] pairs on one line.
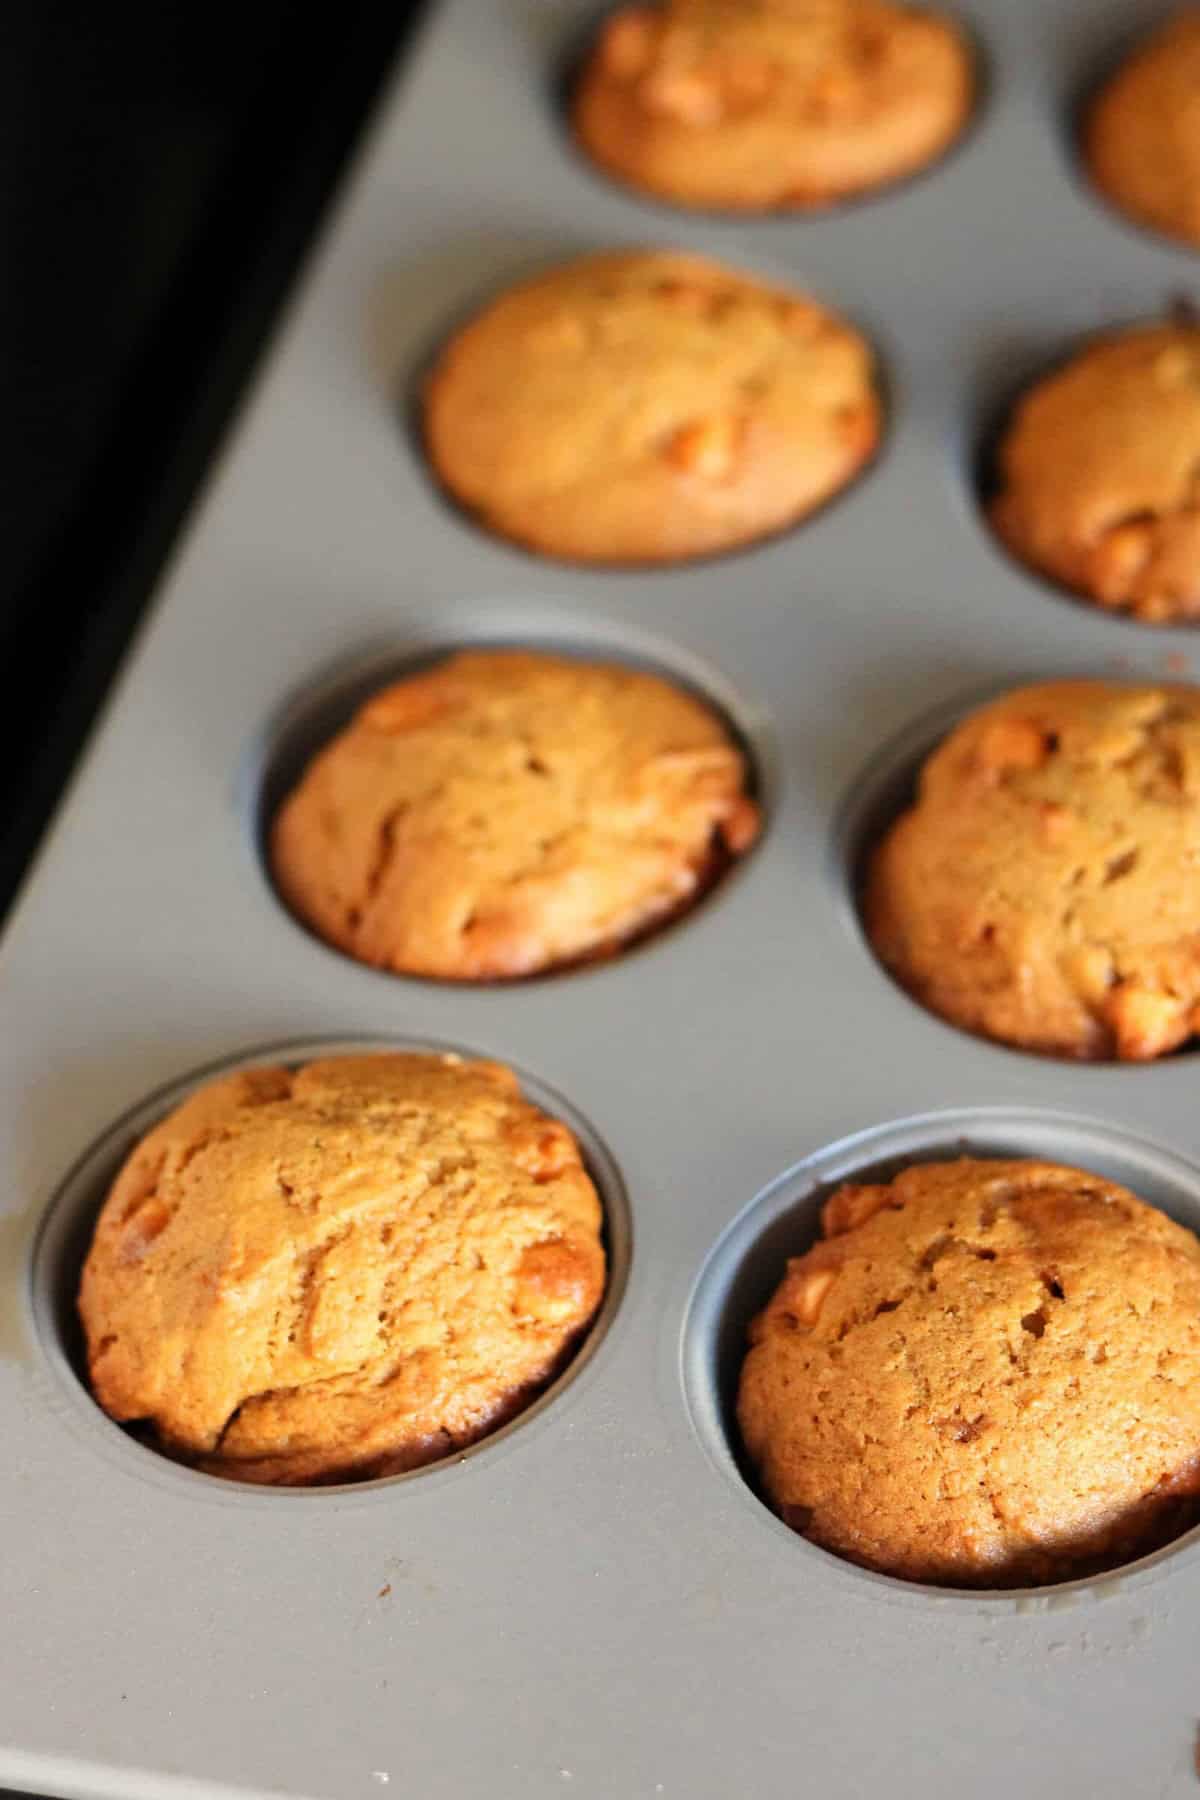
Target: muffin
[[1044, 889], [508, 812], [986, 1375], [647, 407], [1096, 473], [755, 105], [1142, 131], [340, 1271]]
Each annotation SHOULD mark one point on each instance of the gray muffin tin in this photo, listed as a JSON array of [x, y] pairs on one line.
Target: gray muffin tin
[[595, 1602]]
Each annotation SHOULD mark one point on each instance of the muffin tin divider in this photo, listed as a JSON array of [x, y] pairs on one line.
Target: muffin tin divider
[[587, 1606]]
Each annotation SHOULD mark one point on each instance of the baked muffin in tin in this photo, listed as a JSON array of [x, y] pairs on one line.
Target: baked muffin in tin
[[772, 105], [986, 1374], [1096, 478], [1141, 135], [345, 1270], [1043, 888], [649, 407], [507, 812]]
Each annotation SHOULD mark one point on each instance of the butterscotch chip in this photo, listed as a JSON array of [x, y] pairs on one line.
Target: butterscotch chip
[[343, 1271], [1000, 1385], [1098, 474], [758, 105], [507, 812], [641, 406], [1053, 900], [1142, 131]]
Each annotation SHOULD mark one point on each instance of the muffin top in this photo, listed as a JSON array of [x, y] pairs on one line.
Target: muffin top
[[507, 812], [1142, 132], [641, 406], [1044, 889], [340, 1271], [1097, 473], [987, 1375], [764, 104]]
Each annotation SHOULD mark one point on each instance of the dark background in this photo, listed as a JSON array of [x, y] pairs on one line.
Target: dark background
[[162, 170]]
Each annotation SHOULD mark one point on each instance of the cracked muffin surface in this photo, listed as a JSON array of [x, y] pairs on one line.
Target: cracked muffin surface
[[757, 105], [1044, 888], [342, 1271], [987, 1374], [1098, 473], [648, 406], [508, 812], [1141, 135]]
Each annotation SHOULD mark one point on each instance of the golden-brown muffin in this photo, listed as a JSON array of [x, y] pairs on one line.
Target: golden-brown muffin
[[647, 406], [1142, 131], [1044, 889], [1096, 473], [341, 1271], [762, 104], [986, 1375], [507, 812]]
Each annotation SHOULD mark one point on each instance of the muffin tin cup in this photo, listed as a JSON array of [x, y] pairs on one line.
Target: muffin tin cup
[[571, 59], [595, 1602], [65, 1234], [745, 1266], [1000, 390], [323, 707], [411, 372], [877, 796]]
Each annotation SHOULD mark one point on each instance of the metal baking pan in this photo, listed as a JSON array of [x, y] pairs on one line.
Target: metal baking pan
[[595, 1603]]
